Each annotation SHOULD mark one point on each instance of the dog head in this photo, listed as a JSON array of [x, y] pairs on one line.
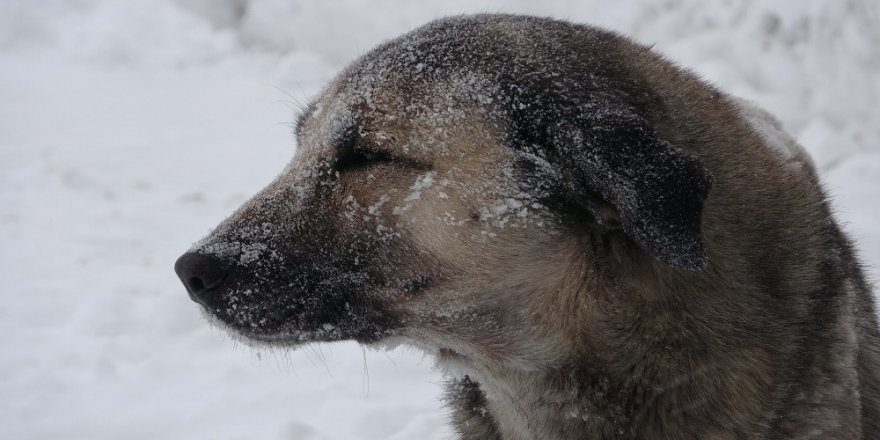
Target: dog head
[[447, 187]]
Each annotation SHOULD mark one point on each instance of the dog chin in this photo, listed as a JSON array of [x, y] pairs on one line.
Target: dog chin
[[294, 338]]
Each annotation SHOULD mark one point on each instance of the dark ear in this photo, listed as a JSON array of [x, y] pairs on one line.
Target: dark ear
[[657, 189]]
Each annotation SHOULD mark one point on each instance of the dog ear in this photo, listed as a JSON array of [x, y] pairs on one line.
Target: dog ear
[[657, 190]]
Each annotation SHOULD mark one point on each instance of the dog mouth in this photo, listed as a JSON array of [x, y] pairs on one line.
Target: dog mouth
[[286, 317], [297, 322]]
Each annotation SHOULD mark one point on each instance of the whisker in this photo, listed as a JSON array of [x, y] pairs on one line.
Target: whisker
[[366, 377]]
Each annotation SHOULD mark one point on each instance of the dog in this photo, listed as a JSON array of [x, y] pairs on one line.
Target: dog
[[592, 242]]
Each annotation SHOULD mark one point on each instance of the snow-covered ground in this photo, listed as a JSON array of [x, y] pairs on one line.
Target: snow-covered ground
[[129, 128]]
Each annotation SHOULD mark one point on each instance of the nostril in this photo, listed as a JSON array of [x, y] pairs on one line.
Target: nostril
[[196, 284], [202, 276]]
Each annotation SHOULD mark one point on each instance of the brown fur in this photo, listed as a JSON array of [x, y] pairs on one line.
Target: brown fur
[[473, 234]]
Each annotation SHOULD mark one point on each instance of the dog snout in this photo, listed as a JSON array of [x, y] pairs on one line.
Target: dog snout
[[202, 276]]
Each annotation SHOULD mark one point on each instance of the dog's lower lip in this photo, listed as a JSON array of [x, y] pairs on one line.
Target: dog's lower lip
[[296, 338]]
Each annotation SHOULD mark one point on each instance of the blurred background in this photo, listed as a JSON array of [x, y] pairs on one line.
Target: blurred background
[[128, 129]]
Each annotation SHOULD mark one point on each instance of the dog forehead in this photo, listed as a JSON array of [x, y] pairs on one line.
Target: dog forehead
[[416, 118], [416, 89], [457, 54], [409, 92]]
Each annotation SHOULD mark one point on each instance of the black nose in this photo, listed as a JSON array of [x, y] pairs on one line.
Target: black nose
[[202, 275]]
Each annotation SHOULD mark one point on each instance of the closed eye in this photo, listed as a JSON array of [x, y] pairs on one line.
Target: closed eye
[[354, 159]]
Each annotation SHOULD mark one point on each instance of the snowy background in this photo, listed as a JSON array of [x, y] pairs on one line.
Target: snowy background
[[128, 129]]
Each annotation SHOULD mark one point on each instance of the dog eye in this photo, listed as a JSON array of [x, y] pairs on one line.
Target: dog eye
[[356, 159]]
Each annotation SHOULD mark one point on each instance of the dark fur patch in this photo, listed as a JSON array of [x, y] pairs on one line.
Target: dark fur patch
[[471, 417]]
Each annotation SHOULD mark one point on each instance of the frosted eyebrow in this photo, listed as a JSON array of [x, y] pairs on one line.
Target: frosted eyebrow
[[343, 132]]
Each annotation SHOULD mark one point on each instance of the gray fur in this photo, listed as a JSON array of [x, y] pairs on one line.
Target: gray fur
[[593, 242]]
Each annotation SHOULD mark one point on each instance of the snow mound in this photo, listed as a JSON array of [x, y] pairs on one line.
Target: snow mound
[[131, 128]]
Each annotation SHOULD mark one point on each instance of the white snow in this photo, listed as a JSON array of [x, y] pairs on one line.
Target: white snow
[[129, 129]]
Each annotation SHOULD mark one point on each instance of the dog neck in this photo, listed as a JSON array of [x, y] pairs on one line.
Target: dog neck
[[614, 383], [544, 405]]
